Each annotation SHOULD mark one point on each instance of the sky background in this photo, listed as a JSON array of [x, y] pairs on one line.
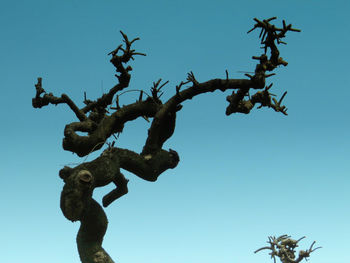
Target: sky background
[[241, 178]]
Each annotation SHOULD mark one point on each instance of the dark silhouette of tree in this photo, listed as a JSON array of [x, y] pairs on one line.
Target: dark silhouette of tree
[[100, 120]]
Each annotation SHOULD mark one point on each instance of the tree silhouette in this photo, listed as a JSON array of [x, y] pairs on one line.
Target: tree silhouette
[[99, 119]]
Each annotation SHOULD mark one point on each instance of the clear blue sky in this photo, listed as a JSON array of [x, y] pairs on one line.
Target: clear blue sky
[[241, 177]]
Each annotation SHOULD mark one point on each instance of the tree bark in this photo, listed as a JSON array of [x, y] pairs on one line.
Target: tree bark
[[90, 235]]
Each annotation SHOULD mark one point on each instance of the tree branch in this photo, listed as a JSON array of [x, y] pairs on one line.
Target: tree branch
[[99, 133], [39, 102], [106, 169]]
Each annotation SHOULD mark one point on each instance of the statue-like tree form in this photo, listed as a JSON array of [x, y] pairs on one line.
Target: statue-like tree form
[[99, 120], [284, 248]]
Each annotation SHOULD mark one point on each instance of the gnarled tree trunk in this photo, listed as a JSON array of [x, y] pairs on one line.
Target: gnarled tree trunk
[[99, 124]]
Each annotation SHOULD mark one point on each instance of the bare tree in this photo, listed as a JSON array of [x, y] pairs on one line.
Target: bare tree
[[100, 120], [284, 248]]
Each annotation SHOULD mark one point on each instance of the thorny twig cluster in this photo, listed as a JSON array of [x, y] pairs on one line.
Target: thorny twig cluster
[[269, 34], [284, 248]]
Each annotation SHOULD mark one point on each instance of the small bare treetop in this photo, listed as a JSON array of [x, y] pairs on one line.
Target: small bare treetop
[[284, 248]]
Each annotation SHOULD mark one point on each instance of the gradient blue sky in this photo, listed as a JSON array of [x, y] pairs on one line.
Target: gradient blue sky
[[241, 178]]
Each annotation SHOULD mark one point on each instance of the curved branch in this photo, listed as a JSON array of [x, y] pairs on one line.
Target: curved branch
[[39, 102], [77, 203], [99, 133], [163, 124], [106, 169]]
